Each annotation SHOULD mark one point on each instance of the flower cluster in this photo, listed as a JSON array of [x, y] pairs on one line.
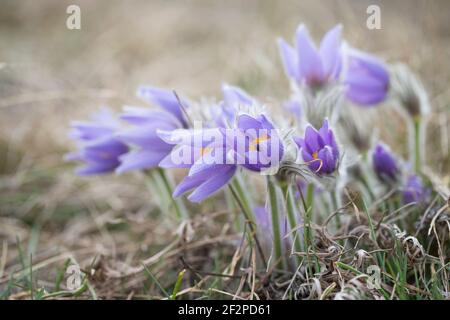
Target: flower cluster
[[219, 144]]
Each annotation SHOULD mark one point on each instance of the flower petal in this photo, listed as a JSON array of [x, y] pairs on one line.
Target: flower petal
[[309, 61], [289, 59], [165, 99], [330, 51], [140, 159], [213, 184]]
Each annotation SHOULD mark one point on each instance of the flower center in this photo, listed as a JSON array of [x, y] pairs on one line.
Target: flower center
[[254, 145], [315, 155], [205, 150]]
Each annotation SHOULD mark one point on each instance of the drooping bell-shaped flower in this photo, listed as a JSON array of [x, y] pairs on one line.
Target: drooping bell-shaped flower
[[319, 149], [311, 65], [366, 78], [98, 146], [414, 190], [385, 164]]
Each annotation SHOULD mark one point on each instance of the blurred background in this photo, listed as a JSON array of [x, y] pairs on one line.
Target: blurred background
[[50, 75]]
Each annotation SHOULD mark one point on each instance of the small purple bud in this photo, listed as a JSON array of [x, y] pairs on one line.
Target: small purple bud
[[414, 190], [385, 164]]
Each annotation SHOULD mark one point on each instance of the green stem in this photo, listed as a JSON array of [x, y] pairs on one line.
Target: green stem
[[417, 144], [239, 196], [310, 196], [335, 207], [166, 184], [246, 201], [273, 205], [292, 214], [232, 207], [308, 213], [366, 185]]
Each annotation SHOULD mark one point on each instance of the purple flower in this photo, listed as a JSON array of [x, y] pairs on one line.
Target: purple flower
[[319, 149], [307, 64], [206, 179], [414, 190], [166, 100], [366, 78], [149, 149], [213, 154], [99, 149], [256, 143], [385, 164], [206, 158]]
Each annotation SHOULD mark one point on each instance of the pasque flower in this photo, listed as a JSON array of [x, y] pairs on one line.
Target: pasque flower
[[99, 148], [385, 164], [149, 149], [256, 143], [214, 154], [205, 157], [165, 99], [366, 78], [307, 64], [414, 190], [319, 149]]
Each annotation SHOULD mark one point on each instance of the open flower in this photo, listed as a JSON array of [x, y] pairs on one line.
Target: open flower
[[204, 152], [99, 148], [307, 64], [385, 164], [149, 149], [319, 149], [366, 78], [414, 190], [256, 143]]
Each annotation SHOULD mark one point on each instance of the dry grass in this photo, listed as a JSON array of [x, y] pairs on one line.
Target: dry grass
[[50, 75]]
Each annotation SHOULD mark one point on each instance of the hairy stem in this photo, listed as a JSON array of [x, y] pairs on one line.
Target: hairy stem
[[417, 155], [273, 205], [292, 214], [166, 187], [248, 214]]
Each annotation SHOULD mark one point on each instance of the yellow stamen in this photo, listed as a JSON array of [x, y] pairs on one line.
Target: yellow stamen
[[254, 144], [204, 151], [315, 155]]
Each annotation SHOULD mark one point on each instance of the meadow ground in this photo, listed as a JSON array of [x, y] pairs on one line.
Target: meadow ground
[[112, 225]]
